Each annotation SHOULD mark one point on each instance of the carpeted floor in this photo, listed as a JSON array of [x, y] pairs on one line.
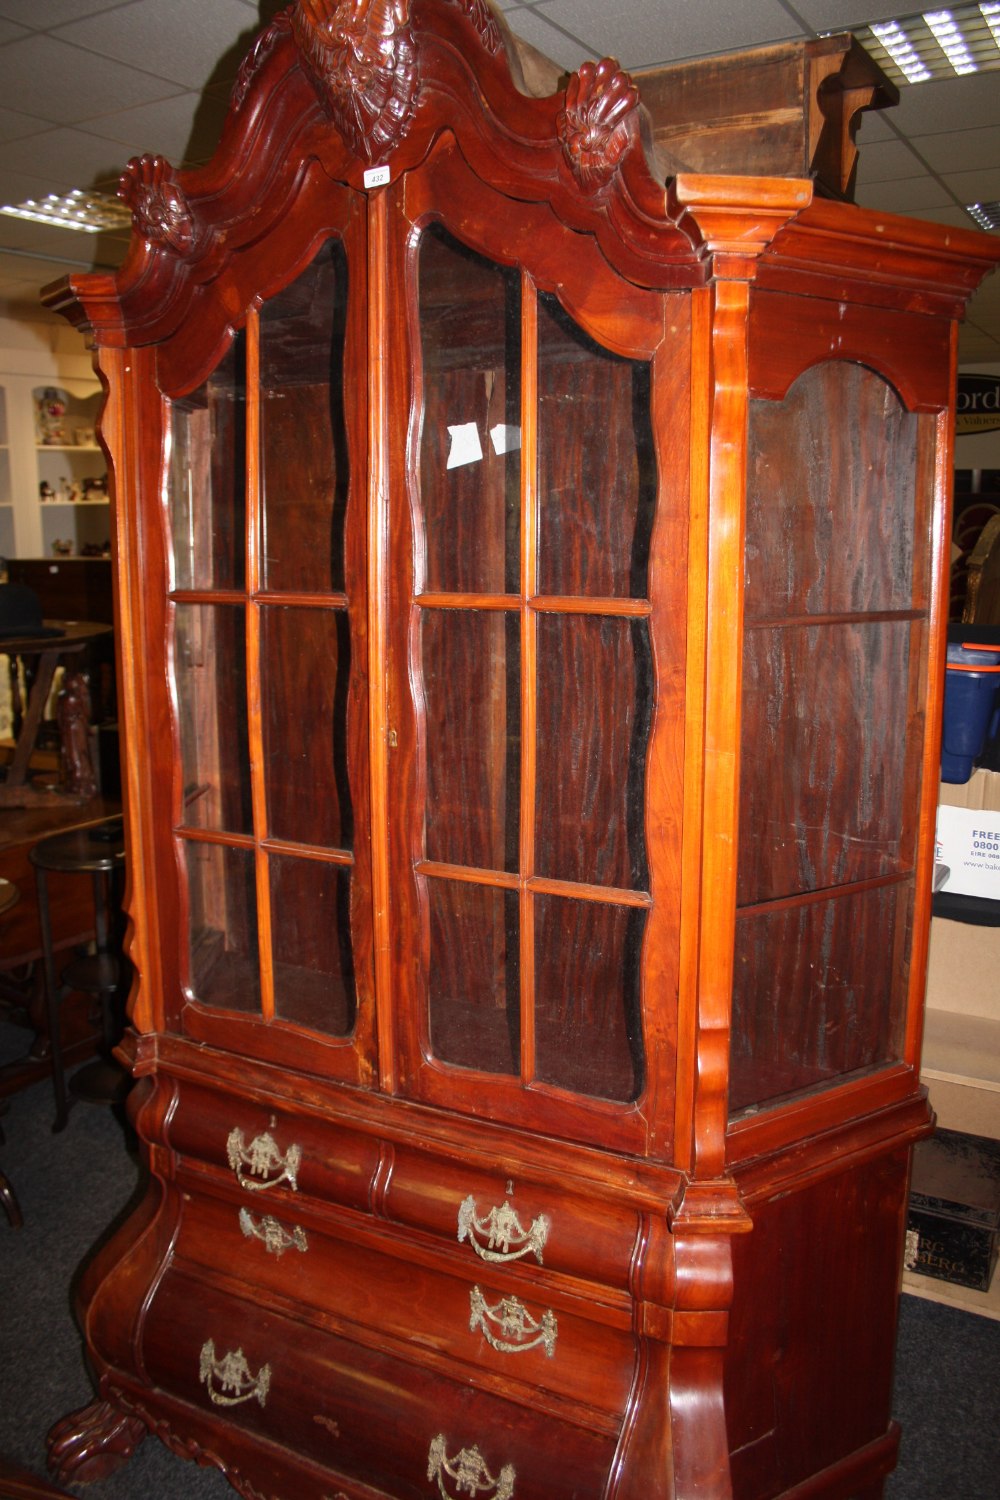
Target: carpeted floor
[[71, 1186]]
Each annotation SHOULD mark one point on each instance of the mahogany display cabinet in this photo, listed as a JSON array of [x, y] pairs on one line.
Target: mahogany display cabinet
[[531, 585]]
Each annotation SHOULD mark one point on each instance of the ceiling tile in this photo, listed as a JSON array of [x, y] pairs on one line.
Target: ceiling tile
[[64, 244], [643, 33], [948, 104], [555, 45], [65, 158], [14, 127], [954, 150], [74, 85], [975, 187], [202, 41], [18, 183], [39, 17], [185, 128], [847, 15], [882, 161], [876, 125], [914, 195]]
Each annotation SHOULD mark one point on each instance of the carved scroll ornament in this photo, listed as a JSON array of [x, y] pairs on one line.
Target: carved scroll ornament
[[598, 121], [362, 57], [160, 209]]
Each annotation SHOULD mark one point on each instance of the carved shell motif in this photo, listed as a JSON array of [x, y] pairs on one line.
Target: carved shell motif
[[160, 211], [363, 60], [598, 122]]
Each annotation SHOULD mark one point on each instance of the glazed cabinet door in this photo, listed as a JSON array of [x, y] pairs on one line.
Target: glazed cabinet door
[[837, 604], [266, 632], [523, 693]]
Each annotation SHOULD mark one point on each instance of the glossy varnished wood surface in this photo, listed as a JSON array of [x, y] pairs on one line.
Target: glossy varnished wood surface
[[484, 959]]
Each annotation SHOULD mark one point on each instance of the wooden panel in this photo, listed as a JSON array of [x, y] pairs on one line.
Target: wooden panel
[[831, 477], [305, 677], [823, 783], [809, 1358], [790, 333], [818, 991], [304, 460], [596, 471]]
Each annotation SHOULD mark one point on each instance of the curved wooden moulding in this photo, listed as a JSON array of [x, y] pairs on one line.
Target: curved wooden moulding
[[310, 111]]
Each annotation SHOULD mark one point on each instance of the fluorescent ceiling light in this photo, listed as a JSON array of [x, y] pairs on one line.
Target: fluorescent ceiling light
[[937, 43], [87, 212], [986, 215]]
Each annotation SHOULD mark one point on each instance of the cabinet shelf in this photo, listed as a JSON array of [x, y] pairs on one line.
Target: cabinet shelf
[[67, 448]]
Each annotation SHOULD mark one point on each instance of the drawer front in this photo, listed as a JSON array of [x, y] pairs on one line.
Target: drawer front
[[494, 1320], [502, 1222], [359, 1411], [272, 1154]]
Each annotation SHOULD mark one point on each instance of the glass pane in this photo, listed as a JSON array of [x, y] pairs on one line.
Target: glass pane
[[304, 469], [471, 665], [472, 970], [206, 485], [305, 671], [596, 467], [223, 926], [209, 661], [470, 437], [824, 756], [830, 500], [595, 689], [587, 1023], [311, 937], [819, 991]]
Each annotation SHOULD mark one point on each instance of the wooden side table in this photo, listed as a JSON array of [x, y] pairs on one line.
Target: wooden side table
[[97, 851]]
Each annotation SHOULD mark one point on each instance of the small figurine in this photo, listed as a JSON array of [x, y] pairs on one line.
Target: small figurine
[[45, 491], [51, 408], [73, 713]]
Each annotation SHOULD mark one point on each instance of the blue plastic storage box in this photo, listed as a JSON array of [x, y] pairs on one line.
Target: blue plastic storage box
[[970, 710]]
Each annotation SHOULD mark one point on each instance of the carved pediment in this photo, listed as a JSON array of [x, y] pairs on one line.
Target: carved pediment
[[362, 57]]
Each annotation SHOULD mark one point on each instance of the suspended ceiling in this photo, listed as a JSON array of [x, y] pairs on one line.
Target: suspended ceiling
[[85, 84]]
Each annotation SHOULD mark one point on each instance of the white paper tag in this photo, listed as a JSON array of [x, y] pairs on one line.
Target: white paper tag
[[505, 439], [376, 177], [465, 445]]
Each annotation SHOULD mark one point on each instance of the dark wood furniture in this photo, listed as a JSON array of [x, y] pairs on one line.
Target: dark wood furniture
[[532, 590], [9, 897], [96, 851], [75, 637], [22, 991]]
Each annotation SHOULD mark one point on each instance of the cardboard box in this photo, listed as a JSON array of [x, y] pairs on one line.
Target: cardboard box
[[953, 1227], [968, 836]]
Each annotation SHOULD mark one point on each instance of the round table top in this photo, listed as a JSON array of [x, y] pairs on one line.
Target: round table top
[[82, 850], [74, 634]]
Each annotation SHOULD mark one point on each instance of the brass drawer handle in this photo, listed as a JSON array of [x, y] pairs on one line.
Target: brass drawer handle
[[468, 1470], [262, 1159], [504, 1236], [229, 1381], [509, 1326], [272, 1235]]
